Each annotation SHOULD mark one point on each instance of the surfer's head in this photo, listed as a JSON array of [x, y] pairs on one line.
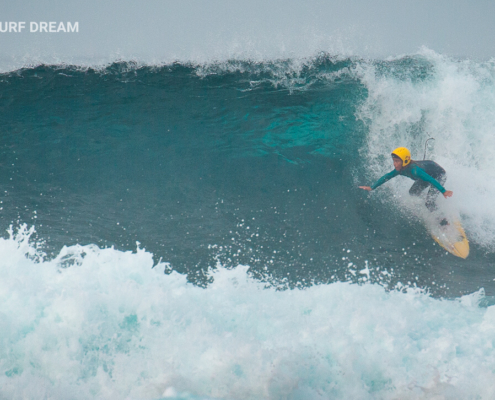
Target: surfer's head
[[401, 157]]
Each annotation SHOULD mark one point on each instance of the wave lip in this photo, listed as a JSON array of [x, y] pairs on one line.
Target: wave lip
[[163, 32]]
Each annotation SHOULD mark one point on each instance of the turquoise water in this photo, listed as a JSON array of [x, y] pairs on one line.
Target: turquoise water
[[197, 230]]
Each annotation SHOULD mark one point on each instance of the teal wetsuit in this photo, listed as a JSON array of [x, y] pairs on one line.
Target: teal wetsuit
[[425, 173]]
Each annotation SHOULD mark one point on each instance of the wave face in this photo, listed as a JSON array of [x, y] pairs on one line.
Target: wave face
[[282, 279]]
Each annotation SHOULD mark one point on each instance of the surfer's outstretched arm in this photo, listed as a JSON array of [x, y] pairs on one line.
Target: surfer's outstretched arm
[[385, 178], [381, 181]]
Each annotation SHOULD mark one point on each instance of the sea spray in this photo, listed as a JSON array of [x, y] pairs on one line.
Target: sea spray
[[434, 96]]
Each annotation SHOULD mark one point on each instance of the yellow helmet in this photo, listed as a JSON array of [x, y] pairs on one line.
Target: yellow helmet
[[402, 153]]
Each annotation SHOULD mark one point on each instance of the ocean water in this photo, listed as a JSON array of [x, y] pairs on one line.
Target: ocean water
[[195, 230]]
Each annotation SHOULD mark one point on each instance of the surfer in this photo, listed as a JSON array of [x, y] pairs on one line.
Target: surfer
[[426, 174]]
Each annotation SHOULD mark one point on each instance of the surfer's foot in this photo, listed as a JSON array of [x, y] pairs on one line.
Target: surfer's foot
[[444, 222]]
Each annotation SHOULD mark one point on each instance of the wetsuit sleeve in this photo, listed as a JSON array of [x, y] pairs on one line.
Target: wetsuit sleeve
[[421, 174], [384, 179]]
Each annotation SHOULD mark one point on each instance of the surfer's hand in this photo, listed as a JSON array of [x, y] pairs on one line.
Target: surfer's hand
[[448, 193], [365, 188]]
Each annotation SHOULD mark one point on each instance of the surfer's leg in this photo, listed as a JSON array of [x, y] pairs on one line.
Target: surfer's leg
[[431, 197], [418, 187]]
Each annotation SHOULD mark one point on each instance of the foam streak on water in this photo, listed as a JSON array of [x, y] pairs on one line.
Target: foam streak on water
[[101, 323]]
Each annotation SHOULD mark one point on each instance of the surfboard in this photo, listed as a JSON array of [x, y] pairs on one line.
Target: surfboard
[[451, 237]]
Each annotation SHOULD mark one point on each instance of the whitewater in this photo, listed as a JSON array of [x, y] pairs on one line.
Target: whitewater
[[108, 324]]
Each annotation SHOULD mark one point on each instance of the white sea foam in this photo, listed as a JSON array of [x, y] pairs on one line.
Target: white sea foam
[[101, 323], [454, 104]]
